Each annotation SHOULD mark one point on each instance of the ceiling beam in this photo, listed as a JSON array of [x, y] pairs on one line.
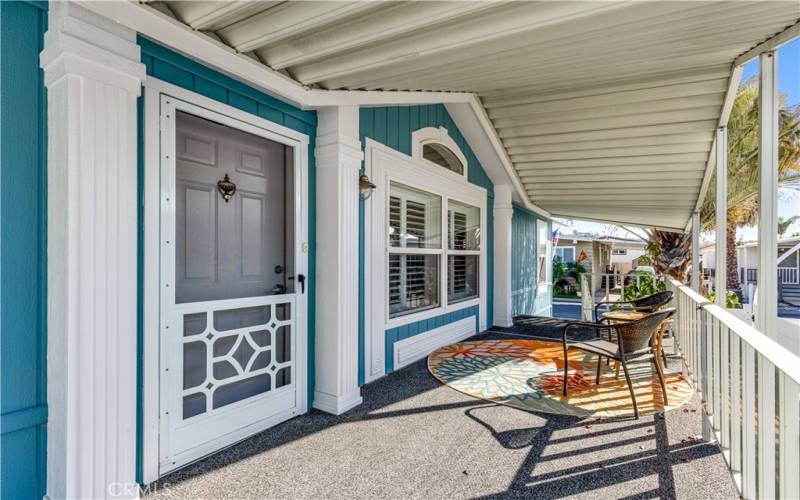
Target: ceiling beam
[[398, 19], [679, 116], [286, 20], [718, 86], [566, 154]]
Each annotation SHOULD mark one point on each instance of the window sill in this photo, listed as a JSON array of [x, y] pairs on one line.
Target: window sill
[[431, 313]]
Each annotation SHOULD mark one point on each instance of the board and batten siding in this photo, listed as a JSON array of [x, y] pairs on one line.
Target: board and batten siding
[[171, 67], [392, 126], [23, 251], [524, 267]]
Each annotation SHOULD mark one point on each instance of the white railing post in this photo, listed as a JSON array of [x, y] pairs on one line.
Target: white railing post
[[766, 315], [696, 251], [721, 245]]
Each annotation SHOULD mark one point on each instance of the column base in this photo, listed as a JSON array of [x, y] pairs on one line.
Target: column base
[[336, 405]]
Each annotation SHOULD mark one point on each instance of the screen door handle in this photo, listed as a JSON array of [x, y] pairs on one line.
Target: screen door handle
[[302, 280]]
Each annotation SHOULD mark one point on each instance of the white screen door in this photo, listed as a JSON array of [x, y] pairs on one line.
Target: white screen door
[[232, 282]]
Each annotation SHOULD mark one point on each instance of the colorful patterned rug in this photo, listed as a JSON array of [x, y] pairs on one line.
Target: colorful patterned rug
[[528, 374]]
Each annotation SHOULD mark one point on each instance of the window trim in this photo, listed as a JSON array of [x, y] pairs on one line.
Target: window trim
[[383, 165], [566, 247], [437, 135]]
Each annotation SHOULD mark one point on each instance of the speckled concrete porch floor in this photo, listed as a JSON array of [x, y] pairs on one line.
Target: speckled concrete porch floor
[[414, 438]]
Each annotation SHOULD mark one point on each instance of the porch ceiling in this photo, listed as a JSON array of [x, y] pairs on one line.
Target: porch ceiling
[[605, 109]]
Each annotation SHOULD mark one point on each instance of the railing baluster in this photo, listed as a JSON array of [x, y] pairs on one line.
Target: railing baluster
[[749, 428], [725, 369], [766, 428], [789, 468], [736, 402]]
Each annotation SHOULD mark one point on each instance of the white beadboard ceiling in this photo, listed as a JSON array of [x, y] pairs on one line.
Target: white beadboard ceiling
[[607, 110]]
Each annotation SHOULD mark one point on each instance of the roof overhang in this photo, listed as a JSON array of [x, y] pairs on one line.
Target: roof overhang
[[589, 110]]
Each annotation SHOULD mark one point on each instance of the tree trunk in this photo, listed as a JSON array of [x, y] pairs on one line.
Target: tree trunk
[[732, 264]]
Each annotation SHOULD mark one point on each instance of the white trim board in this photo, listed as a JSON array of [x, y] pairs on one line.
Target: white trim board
[[465, 108], [408, 350]]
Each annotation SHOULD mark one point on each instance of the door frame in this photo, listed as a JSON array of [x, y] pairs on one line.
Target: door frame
[[196, 104]]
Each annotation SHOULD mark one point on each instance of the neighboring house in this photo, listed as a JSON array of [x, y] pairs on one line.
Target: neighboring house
[[604, 254], [747, 260], [788, 267]]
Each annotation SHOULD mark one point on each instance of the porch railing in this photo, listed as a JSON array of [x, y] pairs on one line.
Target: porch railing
[[751, 394], [787, 275]]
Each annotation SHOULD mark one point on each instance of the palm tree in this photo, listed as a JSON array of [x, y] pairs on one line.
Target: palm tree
[[783, 224], [743, 167]]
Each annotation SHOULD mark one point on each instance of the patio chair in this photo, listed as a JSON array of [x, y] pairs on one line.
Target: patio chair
[[648, 304], [634, 344]]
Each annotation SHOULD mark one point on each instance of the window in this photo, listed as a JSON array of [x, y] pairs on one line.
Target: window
[[619, 251], [463, 230], [417, 250], [565, 255], [443, 157], [414, 226], [434, 147], [541, 250]]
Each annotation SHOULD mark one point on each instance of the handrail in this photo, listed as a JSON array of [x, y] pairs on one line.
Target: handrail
[[775, 353]]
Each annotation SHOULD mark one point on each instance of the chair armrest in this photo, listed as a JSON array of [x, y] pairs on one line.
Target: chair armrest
[[585, 324]]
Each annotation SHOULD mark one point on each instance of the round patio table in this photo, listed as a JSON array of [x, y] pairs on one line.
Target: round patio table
[[621, 315]]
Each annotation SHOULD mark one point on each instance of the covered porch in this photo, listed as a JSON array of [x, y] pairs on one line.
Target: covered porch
[[256, 220]]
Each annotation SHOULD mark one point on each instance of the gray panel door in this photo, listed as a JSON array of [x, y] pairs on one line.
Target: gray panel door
[[238, 248]]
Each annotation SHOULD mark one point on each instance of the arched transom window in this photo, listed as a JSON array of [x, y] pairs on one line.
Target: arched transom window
[[435, 147]]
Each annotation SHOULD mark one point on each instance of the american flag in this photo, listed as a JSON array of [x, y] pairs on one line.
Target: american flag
[[554, 238]]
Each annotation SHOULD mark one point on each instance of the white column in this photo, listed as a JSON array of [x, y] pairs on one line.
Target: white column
[[93, 76], [696, 274], [338, 159], [721, 246], [767, 291], [503, 212]]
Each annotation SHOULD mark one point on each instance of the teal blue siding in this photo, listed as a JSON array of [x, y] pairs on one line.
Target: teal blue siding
[[403, 332], [23, 251], [176, 69], [393, 126], [524, 272]]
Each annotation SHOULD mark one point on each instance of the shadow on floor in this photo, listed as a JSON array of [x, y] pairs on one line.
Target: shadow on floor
[[413, 437]]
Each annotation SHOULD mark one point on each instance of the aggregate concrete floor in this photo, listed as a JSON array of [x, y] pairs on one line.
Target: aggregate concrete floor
[[414, 438]]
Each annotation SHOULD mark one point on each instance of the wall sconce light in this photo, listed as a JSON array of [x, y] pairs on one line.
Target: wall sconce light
[[365, 187]]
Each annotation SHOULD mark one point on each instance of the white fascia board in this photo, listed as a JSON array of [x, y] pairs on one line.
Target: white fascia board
[[465, 108], [474, 124], [725, 114], [619, 223], [772, 43]]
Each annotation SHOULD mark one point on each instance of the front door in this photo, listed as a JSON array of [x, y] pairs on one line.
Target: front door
[[232, 287]]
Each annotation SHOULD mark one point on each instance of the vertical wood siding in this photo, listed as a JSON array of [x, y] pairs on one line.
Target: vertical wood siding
[[393, 126], [23, 250], [524, 271]]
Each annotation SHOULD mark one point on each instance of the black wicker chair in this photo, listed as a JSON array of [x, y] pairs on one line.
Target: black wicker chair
[[633, 344], [648, 304]]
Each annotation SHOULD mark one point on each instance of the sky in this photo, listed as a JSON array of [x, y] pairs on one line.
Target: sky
[[789, 85]]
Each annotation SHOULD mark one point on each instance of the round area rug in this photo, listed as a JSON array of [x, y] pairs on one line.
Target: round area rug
[[528, 374]]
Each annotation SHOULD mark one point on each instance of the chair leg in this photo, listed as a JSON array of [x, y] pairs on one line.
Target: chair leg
[[566, 369], [630, 388], [599, 362], [661, 378]]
